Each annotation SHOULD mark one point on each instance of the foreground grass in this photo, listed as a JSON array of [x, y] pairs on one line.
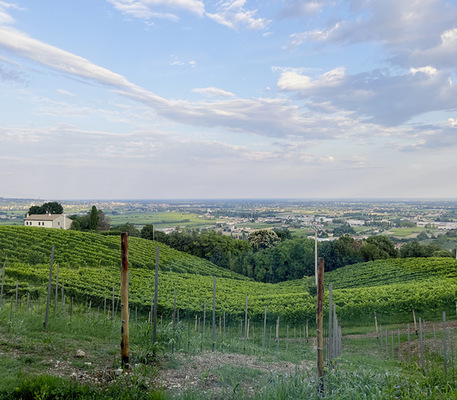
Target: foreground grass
[[35, 364]]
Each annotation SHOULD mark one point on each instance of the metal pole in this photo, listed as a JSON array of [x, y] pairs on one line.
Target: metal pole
[[320, 327], [124, 301], [214, 314], [156, 289], [49, 290]]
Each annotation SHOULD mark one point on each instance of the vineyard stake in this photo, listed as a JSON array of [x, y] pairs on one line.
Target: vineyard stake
[[3, 282], [444, 344], [57, 291], [195, 322], [245, 324], [214, 314], [287, 337], [112, 314], [17, 293], [125, 301], [415, 324], [264, 328], [409, 346], [49, 290], [173, 319], [156, 289], [330, 320], [277, 335], [376, 325], [421, 343], [63, 299], [392, 337], [320, 327], [399, 349]]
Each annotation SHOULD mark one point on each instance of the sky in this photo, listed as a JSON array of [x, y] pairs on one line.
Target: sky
[[163, 99]]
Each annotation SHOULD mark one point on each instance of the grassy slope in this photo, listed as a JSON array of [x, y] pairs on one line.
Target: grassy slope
[[89, 271]]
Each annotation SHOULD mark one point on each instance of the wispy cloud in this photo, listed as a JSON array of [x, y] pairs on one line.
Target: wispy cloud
[[150, 9], [232, 13], [213, 92]]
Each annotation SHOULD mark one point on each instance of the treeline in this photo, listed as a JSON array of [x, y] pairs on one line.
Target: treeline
[[275, 256]]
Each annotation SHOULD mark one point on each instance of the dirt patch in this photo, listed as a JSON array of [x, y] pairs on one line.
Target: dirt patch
[[199, 371]]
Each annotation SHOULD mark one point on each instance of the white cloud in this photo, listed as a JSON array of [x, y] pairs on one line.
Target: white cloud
[[214, 92], [147, 9], [232, 14], [293, 80]]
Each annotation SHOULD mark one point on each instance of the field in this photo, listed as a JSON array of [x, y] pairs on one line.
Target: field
[[160, 219], [281, 367]]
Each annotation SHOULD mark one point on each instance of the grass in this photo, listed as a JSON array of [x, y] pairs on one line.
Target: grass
[[29, 357]]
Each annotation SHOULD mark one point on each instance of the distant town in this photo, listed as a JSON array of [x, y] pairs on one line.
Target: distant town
[[402, 220]]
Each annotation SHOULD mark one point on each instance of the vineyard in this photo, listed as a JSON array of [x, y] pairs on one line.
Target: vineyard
[[89, 271], [267, 354]]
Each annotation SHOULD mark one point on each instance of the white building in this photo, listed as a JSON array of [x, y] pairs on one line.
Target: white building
[[58, 221]]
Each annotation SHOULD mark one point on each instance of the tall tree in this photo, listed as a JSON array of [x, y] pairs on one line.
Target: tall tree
[[93, 218]]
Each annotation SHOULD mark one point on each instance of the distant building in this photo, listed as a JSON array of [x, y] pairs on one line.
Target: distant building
[[57, 221]]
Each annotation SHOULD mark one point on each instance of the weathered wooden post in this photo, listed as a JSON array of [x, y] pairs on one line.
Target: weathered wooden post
[[125, 301], [57, 291], [156, 289], [49, 290], [415, 323], [320, 327]]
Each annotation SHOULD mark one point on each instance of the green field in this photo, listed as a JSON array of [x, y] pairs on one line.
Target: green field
[[160, 219], [406, 232]]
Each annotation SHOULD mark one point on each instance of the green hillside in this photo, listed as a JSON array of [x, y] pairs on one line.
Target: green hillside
[[84, 249], [89, 269]]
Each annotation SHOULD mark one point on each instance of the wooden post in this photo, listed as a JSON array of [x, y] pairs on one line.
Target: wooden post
[[156, 289], [214, 314], [49, 290], [3, 282], [57, 291], [196, 322], [415, 323], [125, 301], [320, 327], [376, 325]]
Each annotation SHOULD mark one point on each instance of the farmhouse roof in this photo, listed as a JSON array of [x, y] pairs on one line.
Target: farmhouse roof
[[42, 217]]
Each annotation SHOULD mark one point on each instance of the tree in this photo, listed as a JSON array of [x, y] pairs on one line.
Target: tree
[[104, 222], [344, 229], [93, 218], [263, 239], [47, 208], [147, 232], [127, 227]]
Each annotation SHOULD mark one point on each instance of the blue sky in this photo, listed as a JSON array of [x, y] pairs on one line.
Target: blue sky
[[113, 99]]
